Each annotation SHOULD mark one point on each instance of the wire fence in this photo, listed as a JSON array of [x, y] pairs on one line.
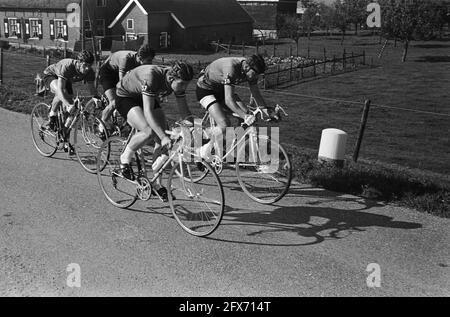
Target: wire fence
[[417, 138]]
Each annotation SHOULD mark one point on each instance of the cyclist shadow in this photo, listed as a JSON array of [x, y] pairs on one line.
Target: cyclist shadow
[[311, 225]]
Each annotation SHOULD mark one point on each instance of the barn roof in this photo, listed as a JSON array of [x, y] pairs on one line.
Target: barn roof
[[193, 13], [35, 4]]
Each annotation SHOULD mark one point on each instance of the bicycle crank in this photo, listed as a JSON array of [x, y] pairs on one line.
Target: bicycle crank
[[144, 188]]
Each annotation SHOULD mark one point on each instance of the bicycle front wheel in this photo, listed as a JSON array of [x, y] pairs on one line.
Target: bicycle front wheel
[[264, 170], [88, 140], [118, 191], [45, 140], [199, 205]]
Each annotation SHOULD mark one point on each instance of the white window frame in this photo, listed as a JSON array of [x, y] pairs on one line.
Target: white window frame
[[103, 28], [132, 24], [11, 36], [31, 29], [164, 40], [102, 5], [61, 22]]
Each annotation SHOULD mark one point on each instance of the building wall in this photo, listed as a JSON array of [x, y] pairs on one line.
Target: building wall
[[73, 34], [200, 37], [140, 23]]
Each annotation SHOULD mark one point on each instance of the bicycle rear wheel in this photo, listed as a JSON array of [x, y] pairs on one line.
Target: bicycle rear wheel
[[45, 140], [87, 141], [264, 170], [118, 191], [199, 206]]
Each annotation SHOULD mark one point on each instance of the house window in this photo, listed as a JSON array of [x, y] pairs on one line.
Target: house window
[[100, 27], [13, 27], [101, 3], [130, 24], [34, 28], [164, 40], [87, 29], [59, 29]]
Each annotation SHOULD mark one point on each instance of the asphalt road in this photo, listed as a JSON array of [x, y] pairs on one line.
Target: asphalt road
[[312, 243]]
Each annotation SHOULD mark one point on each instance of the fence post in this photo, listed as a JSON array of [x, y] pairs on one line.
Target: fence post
[[217, 46], [290, 72], [361, 130], [1, 66], [48, 60], [278, 75]]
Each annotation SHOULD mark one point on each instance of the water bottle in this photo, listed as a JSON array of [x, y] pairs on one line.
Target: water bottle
[[159, 162]]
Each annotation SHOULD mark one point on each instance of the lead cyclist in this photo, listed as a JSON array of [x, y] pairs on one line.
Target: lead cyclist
[[216, 90]]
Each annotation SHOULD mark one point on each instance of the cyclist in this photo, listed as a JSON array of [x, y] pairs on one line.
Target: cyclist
[[58, 78], [115, 67], [216, 89], [139, 96]]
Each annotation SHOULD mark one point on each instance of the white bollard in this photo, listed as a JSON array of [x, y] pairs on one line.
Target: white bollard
[[332, 147]]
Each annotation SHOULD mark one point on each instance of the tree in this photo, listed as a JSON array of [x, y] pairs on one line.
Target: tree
[[310, 18], [356, 12], [292, 27], [407, 21], [326, 15], [341, 17]]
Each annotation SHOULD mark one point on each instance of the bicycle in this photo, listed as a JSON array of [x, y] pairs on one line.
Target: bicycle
[[263, 167], [119, 126], [87, 126], [198, 207]]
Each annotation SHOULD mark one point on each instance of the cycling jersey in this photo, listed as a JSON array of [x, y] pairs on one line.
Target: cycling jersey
[[147, 80], [221, 72], [70, 70], [121, 62]]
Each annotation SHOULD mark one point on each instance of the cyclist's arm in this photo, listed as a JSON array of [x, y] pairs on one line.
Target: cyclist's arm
[[61, 91], [256, 93], [149, 113], [183, 109], [231, 102]]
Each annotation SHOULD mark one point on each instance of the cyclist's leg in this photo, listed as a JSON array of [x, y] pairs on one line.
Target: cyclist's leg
[[213, 102]]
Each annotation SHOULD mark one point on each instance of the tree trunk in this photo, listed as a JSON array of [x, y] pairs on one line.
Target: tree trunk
[[405, 50], [356, 28]]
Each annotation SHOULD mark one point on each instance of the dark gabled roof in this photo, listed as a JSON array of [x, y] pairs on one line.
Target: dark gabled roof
[[36, 4], [192, 13]]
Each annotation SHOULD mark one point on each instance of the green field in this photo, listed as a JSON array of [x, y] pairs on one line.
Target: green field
[[406, 138]]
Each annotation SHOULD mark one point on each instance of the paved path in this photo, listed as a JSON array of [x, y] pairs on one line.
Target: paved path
[[312, 243]]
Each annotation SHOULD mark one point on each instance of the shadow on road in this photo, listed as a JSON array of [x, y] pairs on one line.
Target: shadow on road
[[302, 221]]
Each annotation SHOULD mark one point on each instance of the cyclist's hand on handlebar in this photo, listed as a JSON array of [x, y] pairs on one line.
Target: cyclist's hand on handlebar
[[166, 142], [249, 119]]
